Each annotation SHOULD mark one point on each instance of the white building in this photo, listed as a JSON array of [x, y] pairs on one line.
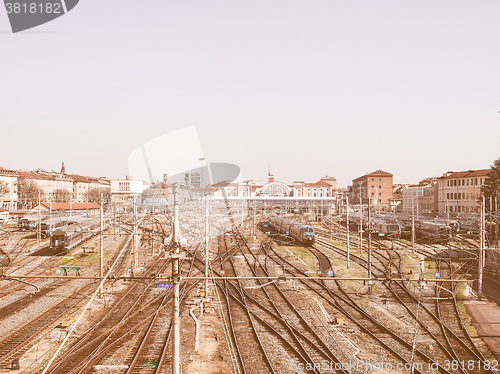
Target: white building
[[51, 186], [459, 192], [325, 187], [422, 197], [123, 191], [8, 189], [82, 186]]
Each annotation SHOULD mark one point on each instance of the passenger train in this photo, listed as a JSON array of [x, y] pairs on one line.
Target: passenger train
[[379, 226], [301, 233], [433, 231], [67, 237]]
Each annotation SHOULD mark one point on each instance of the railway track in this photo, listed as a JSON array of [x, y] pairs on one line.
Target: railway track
[[21, 340], [448, 341]]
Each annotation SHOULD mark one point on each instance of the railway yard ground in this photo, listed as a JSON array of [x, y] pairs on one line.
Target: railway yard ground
[[273, 305]]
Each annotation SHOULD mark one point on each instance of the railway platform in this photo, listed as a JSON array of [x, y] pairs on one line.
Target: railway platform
[[486, 319]]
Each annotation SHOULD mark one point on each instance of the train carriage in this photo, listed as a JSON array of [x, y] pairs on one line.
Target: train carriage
[[301, 233], [74, 233], [433, 231], [385, 229]]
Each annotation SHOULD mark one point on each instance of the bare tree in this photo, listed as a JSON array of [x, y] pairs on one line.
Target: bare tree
[[4, 188], [94, 195], [62, 195], [27, 191]]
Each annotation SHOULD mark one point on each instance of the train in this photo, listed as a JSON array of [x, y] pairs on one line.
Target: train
[[47, 223], [433, 231], [385, 228], [51, 223], [28, 222], [67, 237], [301, 233], [379, 226]]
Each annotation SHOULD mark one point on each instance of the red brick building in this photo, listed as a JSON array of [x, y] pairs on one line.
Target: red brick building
[[375, 186]]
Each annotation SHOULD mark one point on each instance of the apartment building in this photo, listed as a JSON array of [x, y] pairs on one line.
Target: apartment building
[[376, 187], [8, 189], [459, 192], [421, 197]]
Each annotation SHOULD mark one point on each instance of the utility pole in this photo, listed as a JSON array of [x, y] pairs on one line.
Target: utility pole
[[331, 221], [418, 190], [347, 218], [50, 215], [114, 221], [38, 232], [481, 252], [412, 226], [490, 231], [369, 247], [496, 223], [207, 259], [134, 239], [153, 223], [176, 343], [254, 219], [101, 250], [447, 214], [360, 220], [321, 212], [202, 193]]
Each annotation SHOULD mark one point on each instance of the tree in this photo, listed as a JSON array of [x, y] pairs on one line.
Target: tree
[[28, 191], [4, 188], [94, 195], [62, 195], [491, 187]]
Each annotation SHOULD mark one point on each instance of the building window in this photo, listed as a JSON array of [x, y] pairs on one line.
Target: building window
[[380, 179], [372, 180], [379, 186], [380, 193], [475, 181], [379, 200], [448, 184], [372, 186]]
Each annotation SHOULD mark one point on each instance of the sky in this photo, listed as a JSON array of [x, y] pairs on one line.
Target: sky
[[301, 88]]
